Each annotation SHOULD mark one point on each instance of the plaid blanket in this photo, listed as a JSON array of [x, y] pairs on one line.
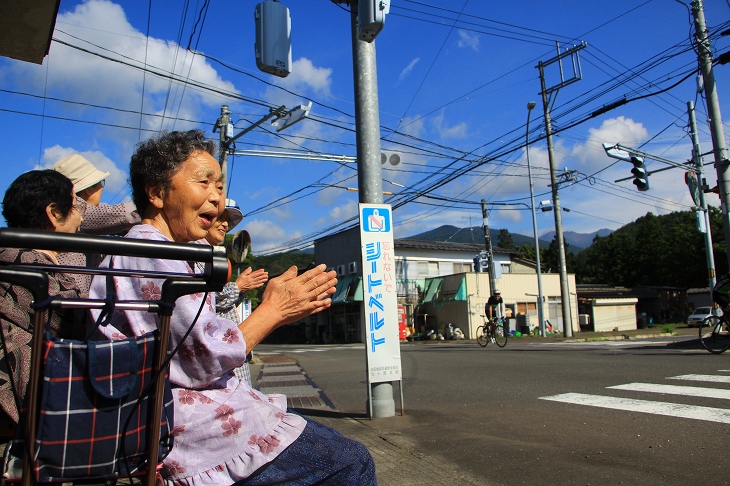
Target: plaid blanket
[[95, 399]]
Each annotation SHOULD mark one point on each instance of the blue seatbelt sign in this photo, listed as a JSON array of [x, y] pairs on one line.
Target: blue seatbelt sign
[[380, 298]]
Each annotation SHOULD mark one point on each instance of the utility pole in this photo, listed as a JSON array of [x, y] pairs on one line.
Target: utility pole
[[697, 159], [713, 111], [369, 176], [222, 125], [545, 92], [282, 119], [488, 244], [538, 270]]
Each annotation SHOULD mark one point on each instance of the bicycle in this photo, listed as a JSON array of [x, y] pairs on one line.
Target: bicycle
[[715, 334], [492, 330]]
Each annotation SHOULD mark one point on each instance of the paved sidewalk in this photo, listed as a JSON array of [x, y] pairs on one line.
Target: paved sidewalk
[[396, 462]]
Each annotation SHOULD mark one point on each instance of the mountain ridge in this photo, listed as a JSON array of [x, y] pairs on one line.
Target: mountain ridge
[[576, 241]]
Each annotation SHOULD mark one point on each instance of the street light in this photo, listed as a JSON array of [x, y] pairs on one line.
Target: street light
[[540, 316]]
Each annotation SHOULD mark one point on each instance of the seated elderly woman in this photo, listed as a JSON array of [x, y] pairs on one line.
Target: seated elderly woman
[[225, 431], [39, 199]]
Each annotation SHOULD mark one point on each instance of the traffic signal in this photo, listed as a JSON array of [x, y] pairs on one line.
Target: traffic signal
[[477, 265], [641, 175], [484, 261]]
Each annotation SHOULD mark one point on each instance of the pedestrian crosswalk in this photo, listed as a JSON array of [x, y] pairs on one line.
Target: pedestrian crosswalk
[[311, 349], [671, 409]]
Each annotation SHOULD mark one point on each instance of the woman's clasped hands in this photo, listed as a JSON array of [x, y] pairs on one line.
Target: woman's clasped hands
[[297, 296]]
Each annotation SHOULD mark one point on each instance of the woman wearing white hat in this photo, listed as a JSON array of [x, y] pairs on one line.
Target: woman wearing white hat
[[232, 295], [88, 181], [99, 219]]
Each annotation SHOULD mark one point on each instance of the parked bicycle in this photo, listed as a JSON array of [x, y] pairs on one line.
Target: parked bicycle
[[494, 330], [715, 334]]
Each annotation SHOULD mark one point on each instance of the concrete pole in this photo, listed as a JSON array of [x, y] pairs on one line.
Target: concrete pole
[[540, 315], [697, 158], [369, 177], [564, 289], [225, 119], [713, 111], [488, 245]]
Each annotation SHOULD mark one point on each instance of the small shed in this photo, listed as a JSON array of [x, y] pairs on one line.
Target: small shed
[[614, 314]]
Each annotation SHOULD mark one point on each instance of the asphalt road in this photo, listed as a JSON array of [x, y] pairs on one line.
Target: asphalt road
[[485, 409]]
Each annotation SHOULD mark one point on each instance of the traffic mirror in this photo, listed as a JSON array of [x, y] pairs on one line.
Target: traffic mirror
[[240, 244]]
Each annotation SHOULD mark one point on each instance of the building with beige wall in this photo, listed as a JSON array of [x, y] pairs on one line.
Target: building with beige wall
[[460, 299], [436, 286]]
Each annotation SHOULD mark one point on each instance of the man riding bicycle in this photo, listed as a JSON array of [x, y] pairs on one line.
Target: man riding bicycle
[[495, 305], [721, 293]]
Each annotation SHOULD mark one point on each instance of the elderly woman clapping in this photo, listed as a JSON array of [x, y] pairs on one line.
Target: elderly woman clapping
[[226, 432]]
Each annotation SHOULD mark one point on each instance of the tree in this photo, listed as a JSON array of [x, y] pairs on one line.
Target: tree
[[550, 260], [527, 252], [504, 240], [663, 250]]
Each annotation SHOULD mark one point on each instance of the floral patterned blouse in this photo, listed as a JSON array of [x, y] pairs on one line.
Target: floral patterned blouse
[[224, 429]]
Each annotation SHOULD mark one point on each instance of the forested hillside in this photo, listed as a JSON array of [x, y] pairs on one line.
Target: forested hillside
[[653, 250], [276, 264]]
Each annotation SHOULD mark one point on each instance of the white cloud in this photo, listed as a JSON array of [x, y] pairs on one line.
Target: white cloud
[[328, 195], [614, 130], [509, 216], [407, 70], [265, 234], [345, 211], [305, 78], [468, 39], [77, 75], [445, 131], [412, 126]]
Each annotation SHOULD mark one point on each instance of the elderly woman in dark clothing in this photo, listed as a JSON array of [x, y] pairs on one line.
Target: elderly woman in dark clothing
[[39, 199]]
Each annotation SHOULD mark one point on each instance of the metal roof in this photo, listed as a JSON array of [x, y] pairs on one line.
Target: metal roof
[[445, 246], [26, 27]]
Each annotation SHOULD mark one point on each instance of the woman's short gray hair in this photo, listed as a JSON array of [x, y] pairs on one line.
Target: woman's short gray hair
[[159, 158]]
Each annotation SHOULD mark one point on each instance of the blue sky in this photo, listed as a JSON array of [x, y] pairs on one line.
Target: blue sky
[[454, 80]]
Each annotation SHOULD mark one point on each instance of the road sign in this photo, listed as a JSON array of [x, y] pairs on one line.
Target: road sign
[[380, 299]]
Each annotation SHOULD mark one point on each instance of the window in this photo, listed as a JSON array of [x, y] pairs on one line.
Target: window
[[428, 269], [433, 268], [555, 308], [400, 273], [506, 267], [527, 308], [462, 267]]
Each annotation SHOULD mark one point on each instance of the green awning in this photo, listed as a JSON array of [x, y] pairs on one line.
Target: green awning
[[349, 289], [357, 294], [340, 295]]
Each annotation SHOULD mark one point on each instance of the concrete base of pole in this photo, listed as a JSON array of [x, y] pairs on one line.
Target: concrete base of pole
[[383, 402]]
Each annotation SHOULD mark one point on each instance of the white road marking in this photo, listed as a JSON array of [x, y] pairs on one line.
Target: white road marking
[[708, 378], [645, 406], [620, 342], [692, 391], [311, 350]]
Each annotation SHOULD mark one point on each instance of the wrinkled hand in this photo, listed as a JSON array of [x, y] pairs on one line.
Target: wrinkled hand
[[249, 279], [295, 297]]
